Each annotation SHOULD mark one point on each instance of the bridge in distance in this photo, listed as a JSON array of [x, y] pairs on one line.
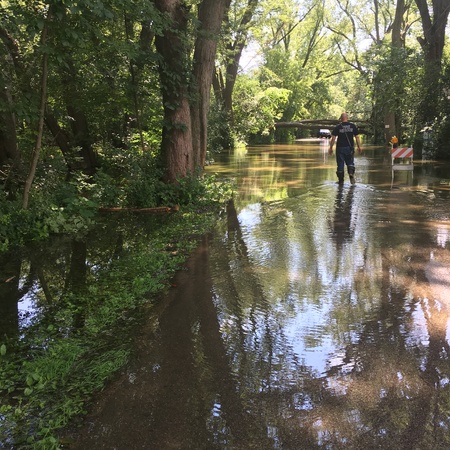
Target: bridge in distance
[[317, 124]]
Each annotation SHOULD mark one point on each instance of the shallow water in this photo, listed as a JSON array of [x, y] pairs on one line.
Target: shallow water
[[315, 317]]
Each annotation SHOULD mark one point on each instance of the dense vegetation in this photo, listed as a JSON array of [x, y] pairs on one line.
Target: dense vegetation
[[90, 294], [120, 103], [154, 87]]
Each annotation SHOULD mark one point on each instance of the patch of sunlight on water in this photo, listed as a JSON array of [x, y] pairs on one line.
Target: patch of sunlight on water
[[418, 335]]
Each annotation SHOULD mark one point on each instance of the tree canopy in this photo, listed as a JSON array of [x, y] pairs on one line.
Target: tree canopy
[[165, 78]]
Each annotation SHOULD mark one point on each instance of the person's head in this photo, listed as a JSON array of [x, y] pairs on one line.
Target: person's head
[[344, 117]]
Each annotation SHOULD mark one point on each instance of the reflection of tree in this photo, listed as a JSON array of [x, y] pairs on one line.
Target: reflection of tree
[[392, 386], [222, 369], [76, 278], [387, 391], [186, 395], [48, 274], [9, 295], [269, 370], [12, 289]]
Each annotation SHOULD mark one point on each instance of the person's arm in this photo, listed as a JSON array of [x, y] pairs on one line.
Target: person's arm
[[330, 150], [358, 142]]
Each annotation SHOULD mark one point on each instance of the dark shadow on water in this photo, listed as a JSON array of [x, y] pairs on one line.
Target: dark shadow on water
[[342, 226]]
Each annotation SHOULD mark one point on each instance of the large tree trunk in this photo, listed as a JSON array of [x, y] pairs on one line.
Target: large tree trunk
[[176, 146], [391, 119], [433, 39], [61, 137], [432, 44], [82, 156], [82, 138], [9, 149], [210, 15]]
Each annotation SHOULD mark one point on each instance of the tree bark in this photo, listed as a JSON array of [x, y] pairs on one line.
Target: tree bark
[[82, 155], [398, 40], [37, 148], [9, 148], [433, 39], [432, 44], [176, 145], [391, 119], [210, 15], [61, 138], [234, 49], [81, 137]]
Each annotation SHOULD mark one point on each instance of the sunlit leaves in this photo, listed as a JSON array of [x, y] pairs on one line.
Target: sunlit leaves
[[257, 109]]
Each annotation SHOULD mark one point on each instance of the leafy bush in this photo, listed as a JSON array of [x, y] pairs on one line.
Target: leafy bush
[[126, 179], [200, 192]]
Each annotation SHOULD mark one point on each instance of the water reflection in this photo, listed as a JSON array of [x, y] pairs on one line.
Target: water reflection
[[359, 354], [317, 316], [343, 225]]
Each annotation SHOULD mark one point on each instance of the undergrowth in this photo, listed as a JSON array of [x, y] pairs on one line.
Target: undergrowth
[[80, 337], [78, 342]]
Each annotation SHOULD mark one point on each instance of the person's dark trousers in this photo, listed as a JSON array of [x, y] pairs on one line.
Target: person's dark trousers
[[345, 157]]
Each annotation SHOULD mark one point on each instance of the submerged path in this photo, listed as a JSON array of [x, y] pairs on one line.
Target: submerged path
[[315, 317]]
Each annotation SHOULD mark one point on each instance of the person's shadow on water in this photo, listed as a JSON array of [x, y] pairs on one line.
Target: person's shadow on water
[[342, 228]]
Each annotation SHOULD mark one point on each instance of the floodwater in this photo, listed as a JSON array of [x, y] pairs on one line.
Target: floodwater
[[316, 316]]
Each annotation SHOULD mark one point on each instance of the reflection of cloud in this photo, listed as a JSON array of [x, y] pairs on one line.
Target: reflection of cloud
[[309, 339], [27, 309], [442, 236]]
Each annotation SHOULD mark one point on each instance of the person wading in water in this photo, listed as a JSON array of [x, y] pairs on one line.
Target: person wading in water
[[346, 133]]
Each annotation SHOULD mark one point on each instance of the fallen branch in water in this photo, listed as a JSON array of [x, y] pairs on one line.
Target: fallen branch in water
[[156, 209]]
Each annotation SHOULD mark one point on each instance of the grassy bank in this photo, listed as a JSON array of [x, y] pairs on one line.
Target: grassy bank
[[76, 342]]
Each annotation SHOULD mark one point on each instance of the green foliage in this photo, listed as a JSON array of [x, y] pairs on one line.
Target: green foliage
[[195, 192], [256, 108], [76, 342], [396, 85], [220, 134], [441, 127], [133, 180], [127, 178]]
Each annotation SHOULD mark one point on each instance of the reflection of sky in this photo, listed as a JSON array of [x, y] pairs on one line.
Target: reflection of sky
[[442, 236], [310, 323], [307, 326], [307, 330], [249, 217], [319, 282], [27, 309], [418, 334]]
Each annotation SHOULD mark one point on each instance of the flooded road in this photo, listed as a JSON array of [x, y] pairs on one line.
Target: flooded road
[[315, 317]]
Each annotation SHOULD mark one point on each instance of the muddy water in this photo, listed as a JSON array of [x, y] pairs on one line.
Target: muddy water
[[316, 317]]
